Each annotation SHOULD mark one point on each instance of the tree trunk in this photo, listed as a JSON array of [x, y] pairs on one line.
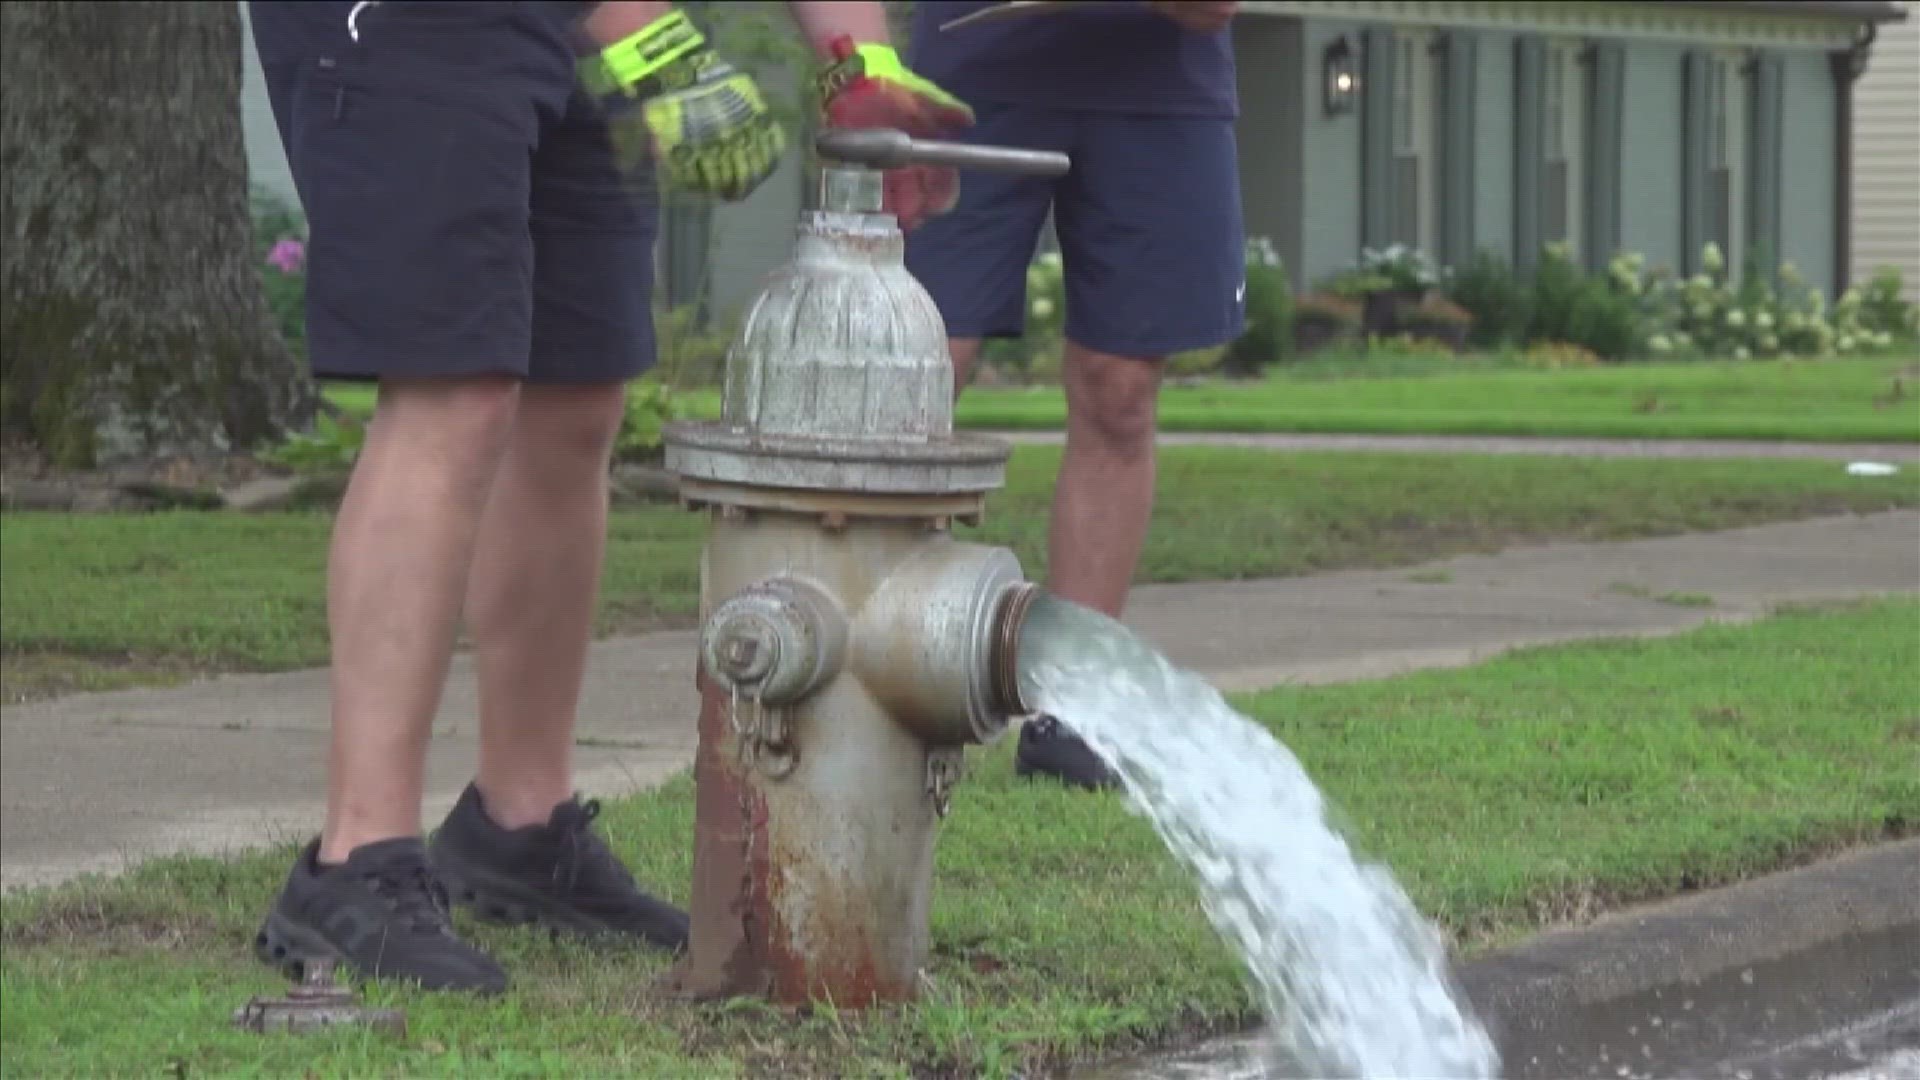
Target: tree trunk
[[131, 303]]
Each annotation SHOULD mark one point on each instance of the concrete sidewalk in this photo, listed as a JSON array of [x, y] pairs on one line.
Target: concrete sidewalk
[[94, 781]]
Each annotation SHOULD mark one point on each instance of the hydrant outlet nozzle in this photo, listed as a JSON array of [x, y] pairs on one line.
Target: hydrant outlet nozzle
[[1003, 663], [924, 643]]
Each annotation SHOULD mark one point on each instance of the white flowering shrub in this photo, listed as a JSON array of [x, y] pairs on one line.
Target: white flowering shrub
[[1046, 297], [1403, 268], [1708, 315]]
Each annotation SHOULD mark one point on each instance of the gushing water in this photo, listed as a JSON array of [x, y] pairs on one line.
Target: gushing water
[[1353, 981]]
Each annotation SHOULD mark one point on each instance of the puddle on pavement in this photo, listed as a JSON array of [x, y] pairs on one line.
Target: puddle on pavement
[[1846, 1011]]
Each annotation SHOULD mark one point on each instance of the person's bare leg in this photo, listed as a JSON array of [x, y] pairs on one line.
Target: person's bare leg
[[530, 598], [1103, 498], [963, 352], [396, 572]]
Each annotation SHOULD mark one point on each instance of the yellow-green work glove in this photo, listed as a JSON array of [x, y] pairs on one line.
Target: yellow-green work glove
[[670, 98], [868, 87]]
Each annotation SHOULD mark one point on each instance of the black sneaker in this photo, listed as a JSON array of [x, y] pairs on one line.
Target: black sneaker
[[560, 875], [381, 912], [1049, 749]]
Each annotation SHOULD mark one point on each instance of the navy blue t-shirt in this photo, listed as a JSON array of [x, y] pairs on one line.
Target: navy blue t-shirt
[[1110, 57]]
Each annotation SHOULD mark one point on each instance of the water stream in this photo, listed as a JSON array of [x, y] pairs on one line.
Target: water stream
[[1352, 980]]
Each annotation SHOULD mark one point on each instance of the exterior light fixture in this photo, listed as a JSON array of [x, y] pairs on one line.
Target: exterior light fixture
[[1340, 77]]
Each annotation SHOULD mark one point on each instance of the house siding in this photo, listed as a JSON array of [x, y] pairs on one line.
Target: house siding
[[1277, 92], [266, 160], [1329, 163], [1886, 157], [1807, 167], [1650, 208]]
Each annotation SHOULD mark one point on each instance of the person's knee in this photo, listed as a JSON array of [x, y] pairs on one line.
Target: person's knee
[[1112, 399], [464, 421], [570, 428]]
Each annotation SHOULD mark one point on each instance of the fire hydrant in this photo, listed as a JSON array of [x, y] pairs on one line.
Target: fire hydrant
[[851, 647]]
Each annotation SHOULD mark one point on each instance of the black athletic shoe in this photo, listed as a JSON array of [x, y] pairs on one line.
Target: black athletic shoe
[[1049, 749], [560, 875], [380, 912]]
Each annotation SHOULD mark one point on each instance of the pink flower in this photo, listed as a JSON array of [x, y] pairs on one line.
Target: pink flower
[[288, 255]]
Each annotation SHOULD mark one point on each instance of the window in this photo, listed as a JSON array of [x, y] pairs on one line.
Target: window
[[1563, 123], [1415, 215], [1554, 91], [1726, 150]]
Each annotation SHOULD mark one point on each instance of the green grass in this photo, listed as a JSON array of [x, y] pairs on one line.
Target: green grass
[[1816, 401], [1550, 783], [1834, 401], [233, 591]]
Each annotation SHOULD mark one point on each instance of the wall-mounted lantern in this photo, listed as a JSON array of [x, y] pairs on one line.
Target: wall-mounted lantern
[[1340, 77]]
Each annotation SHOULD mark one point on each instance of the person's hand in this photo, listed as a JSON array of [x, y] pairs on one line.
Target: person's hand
[[1205, 15], [670, 99], [868, 87]]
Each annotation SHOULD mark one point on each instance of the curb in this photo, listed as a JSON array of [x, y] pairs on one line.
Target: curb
[[1519, 991], [1695, 937]]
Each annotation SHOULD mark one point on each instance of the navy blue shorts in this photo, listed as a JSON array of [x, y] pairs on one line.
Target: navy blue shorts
[[464, 211], [1148, 221]]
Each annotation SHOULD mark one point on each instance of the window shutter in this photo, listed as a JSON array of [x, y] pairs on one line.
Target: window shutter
[[1376, 138], [1764, 155], [1696, 148], [1604, 153], [1529, 137], [1456, 148]]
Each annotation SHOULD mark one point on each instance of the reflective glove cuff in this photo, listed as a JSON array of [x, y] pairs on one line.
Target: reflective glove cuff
[[648, 61]]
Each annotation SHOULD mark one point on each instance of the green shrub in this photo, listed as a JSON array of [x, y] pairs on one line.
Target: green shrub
[[1606, 323], [280, 250], [1569, 305], [1496, 299], [651, 405], [331, 447], [686, 353], [1268, 337], [1884, 308]]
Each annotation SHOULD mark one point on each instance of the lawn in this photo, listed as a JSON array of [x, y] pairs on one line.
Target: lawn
[[1827, 401], [1821, 401], [98, 601], [1553, 782]]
